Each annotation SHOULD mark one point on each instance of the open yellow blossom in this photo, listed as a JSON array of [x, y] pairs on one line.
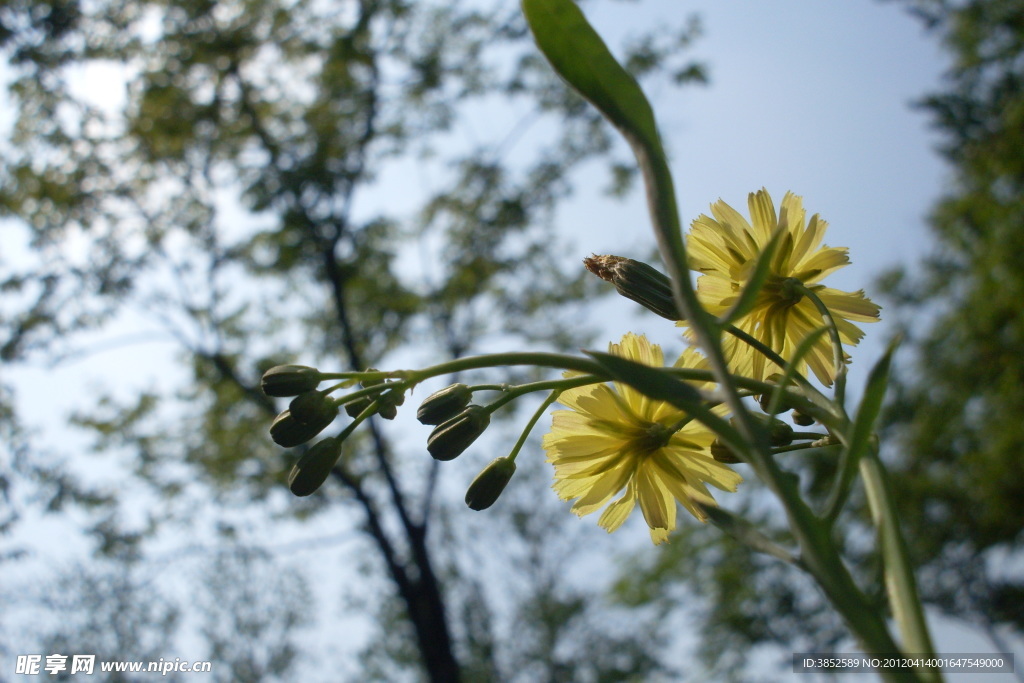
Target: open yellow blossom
[[725, 249], [615, 438]]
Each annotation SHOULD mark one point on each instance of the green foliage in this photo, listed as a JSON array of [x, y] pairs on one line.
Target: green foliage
[[959, 416]]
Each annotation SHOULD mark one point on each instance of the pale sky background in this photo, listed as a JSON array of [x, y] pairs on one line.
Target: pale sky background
[[811, 96]]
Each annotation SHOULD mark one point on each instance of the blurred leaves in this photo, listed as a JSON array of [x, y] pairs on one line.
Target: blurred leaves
[[214, 169], [958, 417]]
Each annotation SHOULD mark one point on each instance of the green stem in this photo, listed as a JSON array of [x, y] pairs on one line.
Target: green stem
[[814, 436], [543, 360], [552, 397], [558, 385], [801, 447], [489, 387]]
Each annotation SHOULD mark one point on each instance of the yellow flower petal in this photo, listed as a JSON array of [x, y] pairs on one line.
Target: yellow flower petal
[[656, 502], [617, 512]]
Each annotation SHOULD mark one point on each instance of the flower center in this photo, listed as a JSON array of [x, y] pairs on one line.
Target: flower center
[[784, 290], [648, 439]]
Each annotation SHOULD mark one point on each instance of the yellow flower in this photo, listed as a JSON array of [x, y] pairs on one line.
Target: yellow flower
[[725, 249], [612, 439]]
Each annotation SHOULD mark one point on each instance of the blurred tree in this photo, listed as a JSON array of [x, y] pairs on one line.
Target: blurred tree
[[212, 167], [957, 417], [248, 624], [104, 609], [953, 433]]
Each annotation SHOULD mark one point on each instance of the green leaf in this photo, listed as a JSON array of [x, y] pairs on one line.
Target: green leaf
[[577, 54], [745, 532], [748, 297], [860, 435], [580, 56]]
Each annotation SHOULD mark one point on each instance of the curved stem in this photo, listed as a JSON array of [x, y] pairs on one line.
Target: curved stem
[[543, 360], [557, 385], [552, 397]]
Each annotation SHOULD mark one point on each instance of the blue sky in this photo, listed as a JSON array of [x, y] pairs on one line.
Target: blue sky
[[813, 97]]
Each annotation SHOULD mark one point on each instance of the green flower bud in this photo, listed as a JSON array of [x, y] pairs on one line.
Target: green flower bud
[[802, 419], [489, 484], [389, 401], [637, 281], [311, 407], [289, 380], [444, 404], [779, 433], [450, 438], [355, 407], [313, 468], [764, 400], [288, 432], [723, 454]]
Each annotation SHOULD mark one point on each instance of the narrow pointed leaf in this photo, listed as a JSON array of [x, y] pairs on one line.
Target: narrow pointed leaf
[[748, 297], [860, 435], [745, 532]]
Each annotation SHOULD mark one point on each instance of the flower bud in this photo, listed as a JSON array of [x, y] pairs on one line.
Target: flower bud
[[764, 400], [313, 468], [802, 419], [288, 432], [388, 402], [311, 407], [637, 281], [723, 454], [450, 438], [444, 404], [289, 380], [355, 407], [779, 433], [489, 484]]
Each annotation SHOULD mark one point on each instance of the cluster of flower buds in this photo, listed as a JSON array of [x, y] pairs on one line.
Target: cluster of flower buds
[[779, 434], [387, 401], [457, 424], [799, 418], [309, 413]]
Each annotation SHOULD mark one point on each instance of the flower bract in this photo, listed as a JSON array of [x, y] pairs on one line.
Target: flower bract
[[724, 248], [613, 439]]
